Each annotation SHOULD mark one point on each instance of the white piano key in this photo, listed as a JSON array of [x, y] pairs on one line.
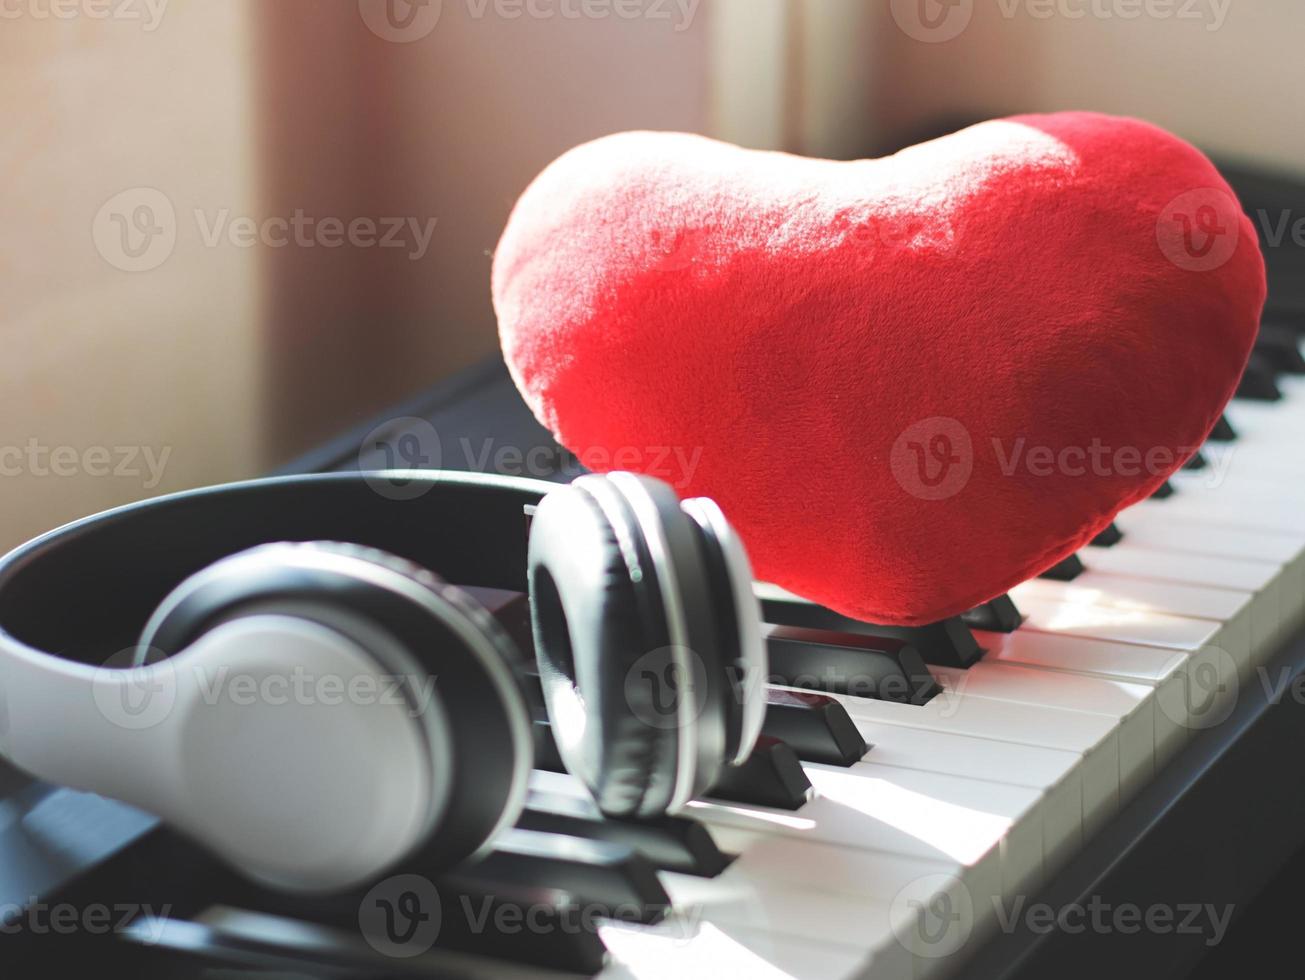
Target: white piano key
[[1260, 456], [967, 820], [1234, 611], [784, 863], [1154, 529], [926, 818], [890, 839], [1262, 579], [736, 898], [1130, 706], [1118, 624], [842, 896], [679, 949], [1053, 772], [1240, 481], [1195, 688], [1227, 510], [1147, 595], [1267, 420], [1091, 736], [1125, 558]]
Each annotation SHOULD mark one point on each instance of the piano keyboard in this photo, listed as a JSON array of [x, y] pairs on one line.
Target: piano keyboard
[[900, 865]]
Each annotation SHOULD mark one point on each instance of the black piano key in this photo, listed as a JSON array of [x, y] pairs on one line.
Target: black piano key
[[1259, 382], [1280, 348], [948, 643], [1108, 538], [1065, 570], [816, 727], [880, 667], [285, 944], [669, 843], [772, 776], [1223, 431], [1283, 318], [1197, 461], [596, 873], [546, 755], [999, 615], [1164, 491]]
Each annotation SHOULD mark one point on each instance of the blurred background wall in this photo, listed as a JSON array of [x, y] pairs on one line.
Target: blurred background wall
[[195, 286]]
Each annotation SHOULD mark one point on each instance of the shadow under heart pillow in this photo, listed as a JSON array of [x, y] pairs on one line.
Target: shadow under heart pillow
[[911, 383]]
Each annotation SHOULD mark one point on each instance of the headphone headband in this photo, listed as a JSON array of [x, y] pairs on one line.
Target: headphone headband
[[85, 590]]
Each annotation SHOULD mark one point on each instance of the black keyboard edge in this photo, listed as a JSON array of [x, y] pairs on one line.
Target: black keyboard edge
[[1213, 826]]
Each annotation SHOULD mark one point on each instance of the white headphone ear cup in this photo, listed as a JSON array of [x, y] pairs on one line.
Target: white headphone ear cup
[[413, 624], [284, 747]]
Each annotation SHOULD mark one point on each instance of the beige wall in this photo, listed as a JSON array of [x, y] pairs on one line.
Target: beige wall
[[231, 355], [94, 357], [1224, 73], [449, 126]]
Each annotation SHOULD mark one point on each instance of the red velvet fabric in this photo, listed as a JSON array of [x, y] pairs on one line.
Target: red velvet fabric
[[911, 383]]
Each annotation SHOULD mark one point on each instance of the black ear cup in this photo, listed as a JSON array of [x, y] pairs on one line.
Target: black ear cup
[[592, 625], [738, 622], [637, 635], [410, 621]]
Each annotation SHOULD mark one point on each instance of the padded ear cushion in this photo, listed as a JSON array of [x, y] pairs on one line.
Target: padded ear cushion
[[680, 569], [372, 596], [738, 626], [597, 625]]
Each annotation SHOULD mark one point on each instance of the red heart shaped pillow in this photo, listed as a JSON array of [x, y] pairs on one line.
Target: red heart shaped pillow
[[911, 382]]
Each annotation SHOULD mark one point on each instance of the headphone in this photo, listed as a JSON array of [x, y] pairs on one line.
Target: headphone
[[311, 699]]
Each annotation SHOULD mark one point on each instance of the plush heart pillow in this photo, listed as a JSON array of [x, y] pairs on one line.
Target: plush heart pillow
[[911, 382]]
